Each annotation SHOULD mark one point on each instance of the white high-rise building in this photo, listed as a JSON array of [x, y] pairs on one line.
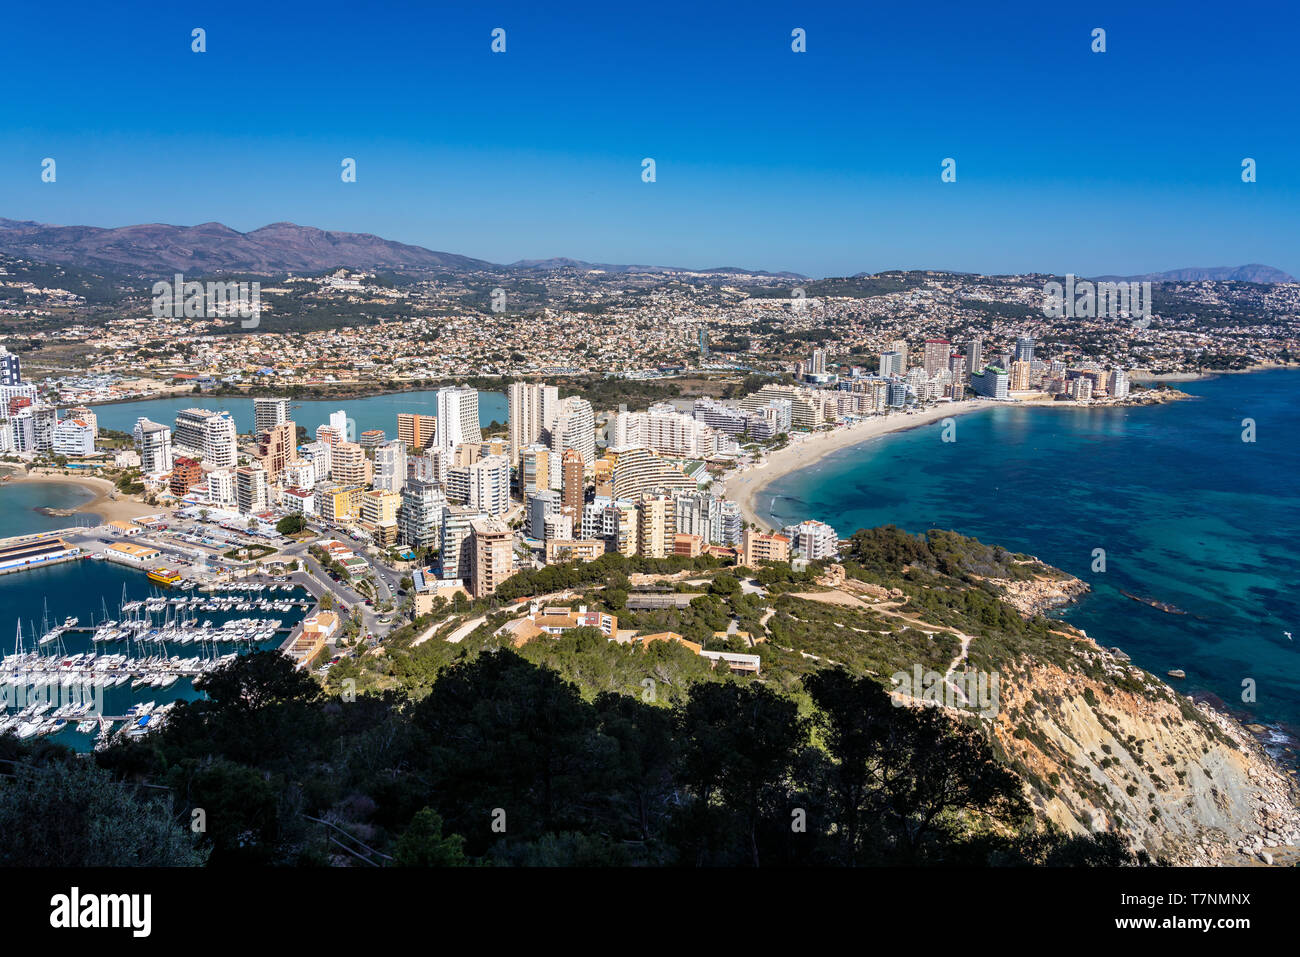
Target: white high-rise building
[[420, 514], [45, 418], [23, 426], [211, 435], [665, 430], [457, 418], [250, 489], [489, 485], [390, 466], [812, 540], [532, 406], [318, 454], [891, 363], [153, 440], [574, 427], [74, 437], [339, 424], [268, 413], [453, 554], [221, 488]]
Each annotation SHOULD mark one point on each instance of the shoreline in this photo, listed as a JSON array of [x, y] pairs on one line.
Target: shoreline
[[1209, 373], [805, 449], [743, 487], [102, 504]]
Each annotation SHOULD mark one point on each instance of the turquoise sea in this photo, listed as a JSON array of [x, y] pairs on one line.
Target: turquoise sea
[[371, 412], [1187, 512], [18, 505]]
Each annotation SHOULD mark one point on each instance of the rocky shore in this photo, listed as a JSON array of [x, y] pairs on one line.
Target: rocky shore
[[1034, 597]]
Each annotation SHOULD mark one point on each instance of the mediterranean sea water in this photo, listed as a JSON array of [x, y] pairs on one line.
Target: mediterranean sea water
[[87, 588], [18, 505], [1187, 512]]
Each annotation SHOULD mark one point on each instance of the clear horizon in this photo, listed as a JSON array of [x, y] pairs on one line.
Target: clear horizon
[[824, 163]]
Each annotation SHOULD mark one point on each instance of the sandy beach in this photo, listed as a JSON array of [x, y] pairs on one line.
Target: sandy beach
[[104, 504], [804, 449]]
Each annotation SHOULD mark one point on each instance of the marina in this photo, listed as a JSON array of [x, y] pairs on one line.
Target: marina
[[117, 671]]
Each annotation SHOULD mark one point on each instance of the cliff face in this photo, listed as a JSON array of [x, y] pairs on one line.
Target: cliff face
[[1114, 747], [1100, 743]]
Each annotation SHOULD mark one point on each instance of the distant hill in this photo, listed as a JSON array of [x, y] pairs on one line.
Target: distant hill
[[150, 249], [1253, 272], [154, 248]]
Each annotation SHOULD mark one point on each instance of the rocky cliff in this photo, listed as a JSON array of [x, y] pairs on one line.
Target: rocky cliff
[[1112, 746]]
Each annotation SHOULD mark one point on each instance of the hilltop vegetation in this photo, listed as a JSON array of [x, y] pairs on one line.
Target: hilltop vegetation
[[581, 750]]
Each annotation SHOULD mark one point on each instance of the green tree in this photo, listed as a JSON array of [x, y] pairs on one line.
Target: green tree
[[739, 743], [422, 844], [291, 524], [71, 813]]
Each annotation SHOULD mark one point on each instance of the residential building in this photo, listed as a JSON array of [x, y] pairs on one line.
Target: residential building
[[319, 454], [656, 526], [805, 411], [339, 504], [186, 473], [453, 553], [992, 383], [665, 430], [640, 470], [268, 413], [492, 555], [420, 515], [202, 433], [574, 485], [937, 352], [11, 370], [574, 427], [489, 485], [812, 540], [390, 466], [87, 416], [378, 514], [1019, 377], [250, 489], [532, 409], [543, 504], [561, 550], [534, 470], [763, 547], [349, 465], [276, 448], [457, 417], [74, 437], [417, 431], [154, 443]]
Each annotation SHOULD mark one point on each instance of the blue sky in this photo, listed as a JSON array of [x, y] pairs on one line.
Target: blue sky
[[826, 163]]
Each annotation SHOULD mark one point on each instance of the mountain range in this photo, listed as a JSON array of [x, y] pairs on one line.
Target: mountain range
[[152, 248], [1252, 272]]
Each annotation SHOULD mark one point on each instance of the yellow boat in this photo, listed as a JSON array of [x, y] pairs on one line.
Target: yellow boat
[[165, 576]]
